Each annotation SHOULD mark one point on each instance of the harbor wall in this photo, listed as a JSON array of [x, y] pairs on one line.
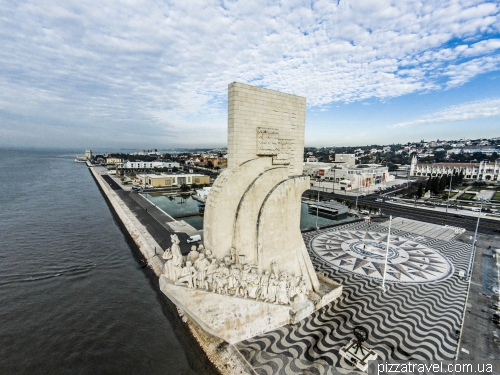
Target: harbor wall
[[224, 356]]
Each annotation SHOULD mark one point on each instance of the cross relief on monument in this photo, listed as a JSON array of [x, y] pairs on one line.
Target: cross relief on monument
[[269, 144]]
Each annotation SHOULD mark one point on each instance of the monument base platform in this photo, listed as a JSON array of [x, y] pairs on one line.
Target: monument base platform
[[235, 319]]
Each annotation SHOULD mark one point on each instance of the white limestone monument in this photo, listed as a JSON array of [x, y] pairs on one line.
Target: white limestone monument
[[254, 273], [254, 206]]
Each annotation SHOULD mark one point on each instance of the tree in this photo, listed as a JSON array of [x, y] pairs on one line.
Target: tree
[[435, 185], [428, 184], [443, 182], [210, 165], [185, 187], [420, 190], [175, 169], [392, 167]]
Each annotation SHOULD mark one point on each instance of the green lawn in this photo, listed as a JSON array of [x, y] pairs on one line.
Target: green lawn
[[445, 194], [496, 197], [476, 188], [467, 196]]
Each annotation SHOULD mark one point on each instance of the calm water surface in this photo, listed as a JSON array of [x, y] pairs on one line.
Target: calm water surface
[[178, 205], [73, 299]]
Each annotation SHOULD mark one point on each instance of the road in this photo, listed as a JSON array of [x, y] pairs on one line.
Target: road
[[487, 226]]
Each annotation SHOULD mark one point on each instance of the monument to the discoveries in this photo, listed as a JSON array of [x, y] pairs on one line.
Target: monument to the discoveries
[[254, 273], [254, 206]]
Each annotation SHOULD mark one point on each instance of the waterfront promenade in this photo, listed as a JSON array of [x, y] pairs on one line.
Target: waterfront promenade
[[157, 222]]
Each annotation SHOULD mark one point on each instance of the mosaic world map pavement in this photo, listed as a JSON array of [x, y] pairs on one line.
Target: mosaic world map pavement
[[364, 252], [411, 320]]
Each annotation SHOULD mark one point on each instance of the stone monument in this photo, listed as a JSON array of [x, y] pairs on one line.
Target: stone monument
[[254, 273], [254, 205]]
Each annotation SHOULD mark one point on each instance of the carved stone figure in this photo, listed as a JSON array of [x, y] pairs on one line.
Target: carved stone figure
[[227, 277], [193, 254], [301, 291], [234, 280], [187, 276], [211, 270], [281, 292], [274, 269], [227, 260], [272, 288], [290, 286], [221, 279], [264, 283], [233, 255], [168, 268], [201, 264], [243, 290], [201, 249], [177, 258], [253, 282]]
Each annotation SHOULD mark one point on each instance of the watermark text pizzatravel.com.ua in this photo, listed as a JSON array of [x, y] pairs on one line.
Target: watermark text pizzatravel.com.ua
[[433, 367]]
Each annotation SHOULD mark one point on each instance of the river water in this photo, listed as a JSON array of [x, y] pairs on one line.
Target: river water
[[73, 298]]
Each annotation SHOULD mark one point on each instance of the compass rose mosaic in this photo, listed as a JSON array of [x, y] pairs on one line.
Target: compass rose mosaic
[[364, 252]]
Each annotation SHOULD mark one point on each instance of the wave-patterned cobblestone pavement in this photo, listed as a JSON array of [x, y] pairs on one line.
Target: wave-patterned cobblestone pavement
[[409, 321]]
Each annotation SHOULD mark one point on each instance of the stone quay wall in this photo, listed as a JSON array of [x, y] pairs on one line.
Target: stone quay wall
[[224, 356]]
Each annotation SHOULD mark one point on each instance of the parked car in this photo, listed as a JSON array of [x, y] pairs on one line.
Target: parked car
[[194, 238], [379, 200]]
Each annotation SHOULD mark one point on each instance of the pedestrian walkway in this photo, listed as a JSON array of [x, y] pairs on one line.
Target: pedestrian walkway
[[158, 223], [443, 233], [415, 321]]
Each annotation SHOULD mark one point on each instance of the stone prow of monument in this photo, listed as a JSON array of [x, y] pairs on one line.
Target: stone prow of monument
[[253, 273], [254, 205]]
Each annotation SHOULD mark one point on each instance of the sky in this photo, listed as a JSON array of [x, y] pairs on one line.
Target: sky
[[154, 74]]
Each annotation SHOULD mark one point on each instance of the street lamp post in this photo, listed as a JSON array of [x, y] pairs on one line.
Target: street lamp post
[[334, 179], [317, 211], [469, 269], [357, 193], [386, 253], [449, 191]]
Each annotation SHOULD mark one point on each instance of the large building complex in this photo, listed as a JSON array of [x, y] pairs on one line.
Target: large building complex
[[171, 180], [147, 164], [483, 171], [347, 175]]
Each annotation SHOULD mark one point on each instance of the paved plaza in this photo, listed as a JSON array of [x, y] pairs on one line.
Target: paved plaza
[[416, 318]]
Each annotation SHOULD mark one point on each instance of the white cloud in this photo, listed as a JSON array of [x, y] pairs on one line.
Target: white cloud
[[141, 67], [467, 111]]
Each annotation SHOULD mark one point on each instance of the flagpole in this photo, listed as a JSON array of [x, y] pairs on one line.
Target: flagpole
[[386, 253]]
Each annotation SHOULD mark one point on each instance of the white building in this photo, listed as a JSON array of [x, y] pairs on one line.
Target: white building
[[147, 164], [483, 171], [358, 176], [170, 180], [349, 177], [346, 159]]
